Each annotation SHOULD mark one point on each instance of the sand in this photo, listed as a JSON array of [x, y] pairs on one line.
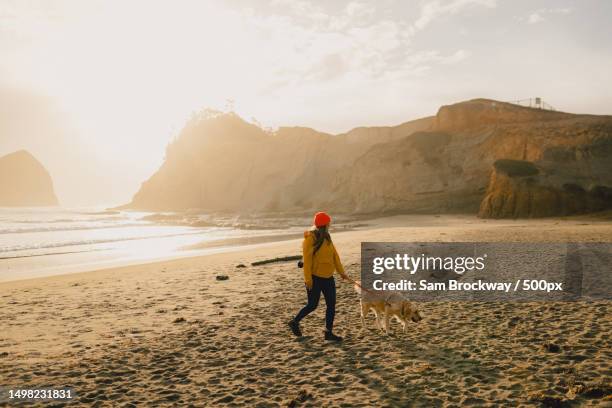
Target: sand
[[171, 334]]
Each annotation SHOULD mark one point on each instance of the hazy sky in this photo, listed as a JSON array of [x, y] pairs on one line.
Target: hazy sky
[[96, 89]]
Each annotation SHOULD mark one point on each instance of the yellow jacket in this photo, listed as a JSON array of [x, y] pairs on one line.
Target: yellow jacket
[[323, 263]]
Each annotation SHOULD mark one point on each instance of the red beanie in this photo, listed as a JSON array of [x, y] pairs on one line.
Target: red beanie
[[321, 219]]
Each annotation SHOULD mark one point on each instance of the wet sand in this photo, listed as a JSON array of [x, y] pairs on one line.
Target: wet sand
[[171, 334]]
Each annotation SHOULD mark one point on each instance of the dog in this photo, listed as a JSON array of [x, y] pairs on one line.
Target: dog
[[387, 308]]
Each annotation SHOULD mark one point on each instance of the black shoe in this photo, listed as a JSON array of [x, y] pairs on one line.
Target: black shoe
[[332, 337], [295, 328]]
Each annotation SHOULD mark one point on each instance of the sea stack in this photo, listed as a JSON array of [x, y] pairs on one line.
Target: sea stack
[[24, 182]]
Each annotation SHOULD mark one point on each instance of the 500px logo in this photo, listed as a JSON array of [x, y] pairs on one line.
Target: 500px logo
[[541, 285]]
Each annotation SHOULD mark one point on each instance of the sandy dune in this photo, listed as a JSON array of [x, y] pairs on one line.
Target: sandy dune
[[171, 334]]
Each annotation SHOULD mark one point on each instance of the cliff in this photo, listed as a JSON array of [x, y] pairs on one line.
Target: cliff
[[24, 182], [452, 162], [222, 163], [450, 167], [549, 187]]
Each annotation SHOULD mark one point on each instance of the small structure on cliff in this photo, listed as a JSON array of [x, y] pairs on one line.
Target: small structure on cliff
[[536, 102]]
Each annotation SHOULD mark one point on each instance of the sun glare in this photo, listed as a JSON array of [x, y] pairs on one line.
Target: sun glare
[[126, 80]]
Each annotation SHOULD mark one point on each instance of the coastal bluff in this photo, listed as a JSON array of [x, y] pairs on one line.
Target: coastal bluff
[[24, 182], [449, 163]]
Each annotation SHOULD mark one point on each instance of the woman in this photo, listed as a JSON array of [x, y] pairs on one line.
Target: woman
[[320, 261]]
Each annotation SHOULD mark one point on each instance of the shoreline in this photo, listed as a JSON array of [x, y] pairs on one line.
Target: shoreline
[[253, 244], [20, 262], [248, 243], [212, 249], [189, 251]]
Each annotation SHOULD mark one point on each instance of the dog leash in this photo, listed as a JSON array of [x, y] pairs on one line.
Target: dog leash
[[367, 290], [359, 285]]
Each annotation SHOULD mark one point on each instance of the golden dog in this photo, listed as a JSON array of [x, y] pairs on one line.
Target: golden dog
[[386, 308]]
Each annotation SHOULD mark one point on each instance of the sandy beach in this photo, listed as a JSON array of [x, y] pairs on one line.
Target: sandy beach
[[171, 334]]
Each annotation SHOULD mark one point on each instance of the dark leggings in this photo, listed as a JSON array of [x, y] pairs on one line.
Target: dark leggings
[[328, 287]]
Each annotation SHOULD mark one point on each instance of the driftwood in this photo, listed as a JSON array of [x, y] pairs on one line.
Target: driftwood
[[281, 259]]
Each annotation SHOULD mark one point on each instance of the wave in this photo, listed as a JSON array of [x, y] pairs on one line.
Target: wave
[[71, 228], [87, 242], [103, 212], [48, 253], [58, 220]]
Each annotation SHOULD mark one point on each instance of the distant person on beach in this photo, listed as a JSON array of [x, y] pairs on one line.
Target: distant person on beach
[[320, 261]]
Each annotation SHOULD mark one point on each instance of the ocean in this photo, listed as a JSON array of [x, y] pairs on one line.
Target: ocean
[[38, 242]]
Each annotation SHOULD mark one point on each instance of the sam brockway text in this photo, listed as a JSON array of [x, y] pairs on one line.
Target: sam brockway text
[[478, 285]]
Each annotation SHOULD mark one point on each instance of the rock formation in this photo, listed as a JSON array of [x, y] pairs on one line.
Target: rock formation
[[449, 167], [495, 158], [24, 182], [219, 162], [520, 189]]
